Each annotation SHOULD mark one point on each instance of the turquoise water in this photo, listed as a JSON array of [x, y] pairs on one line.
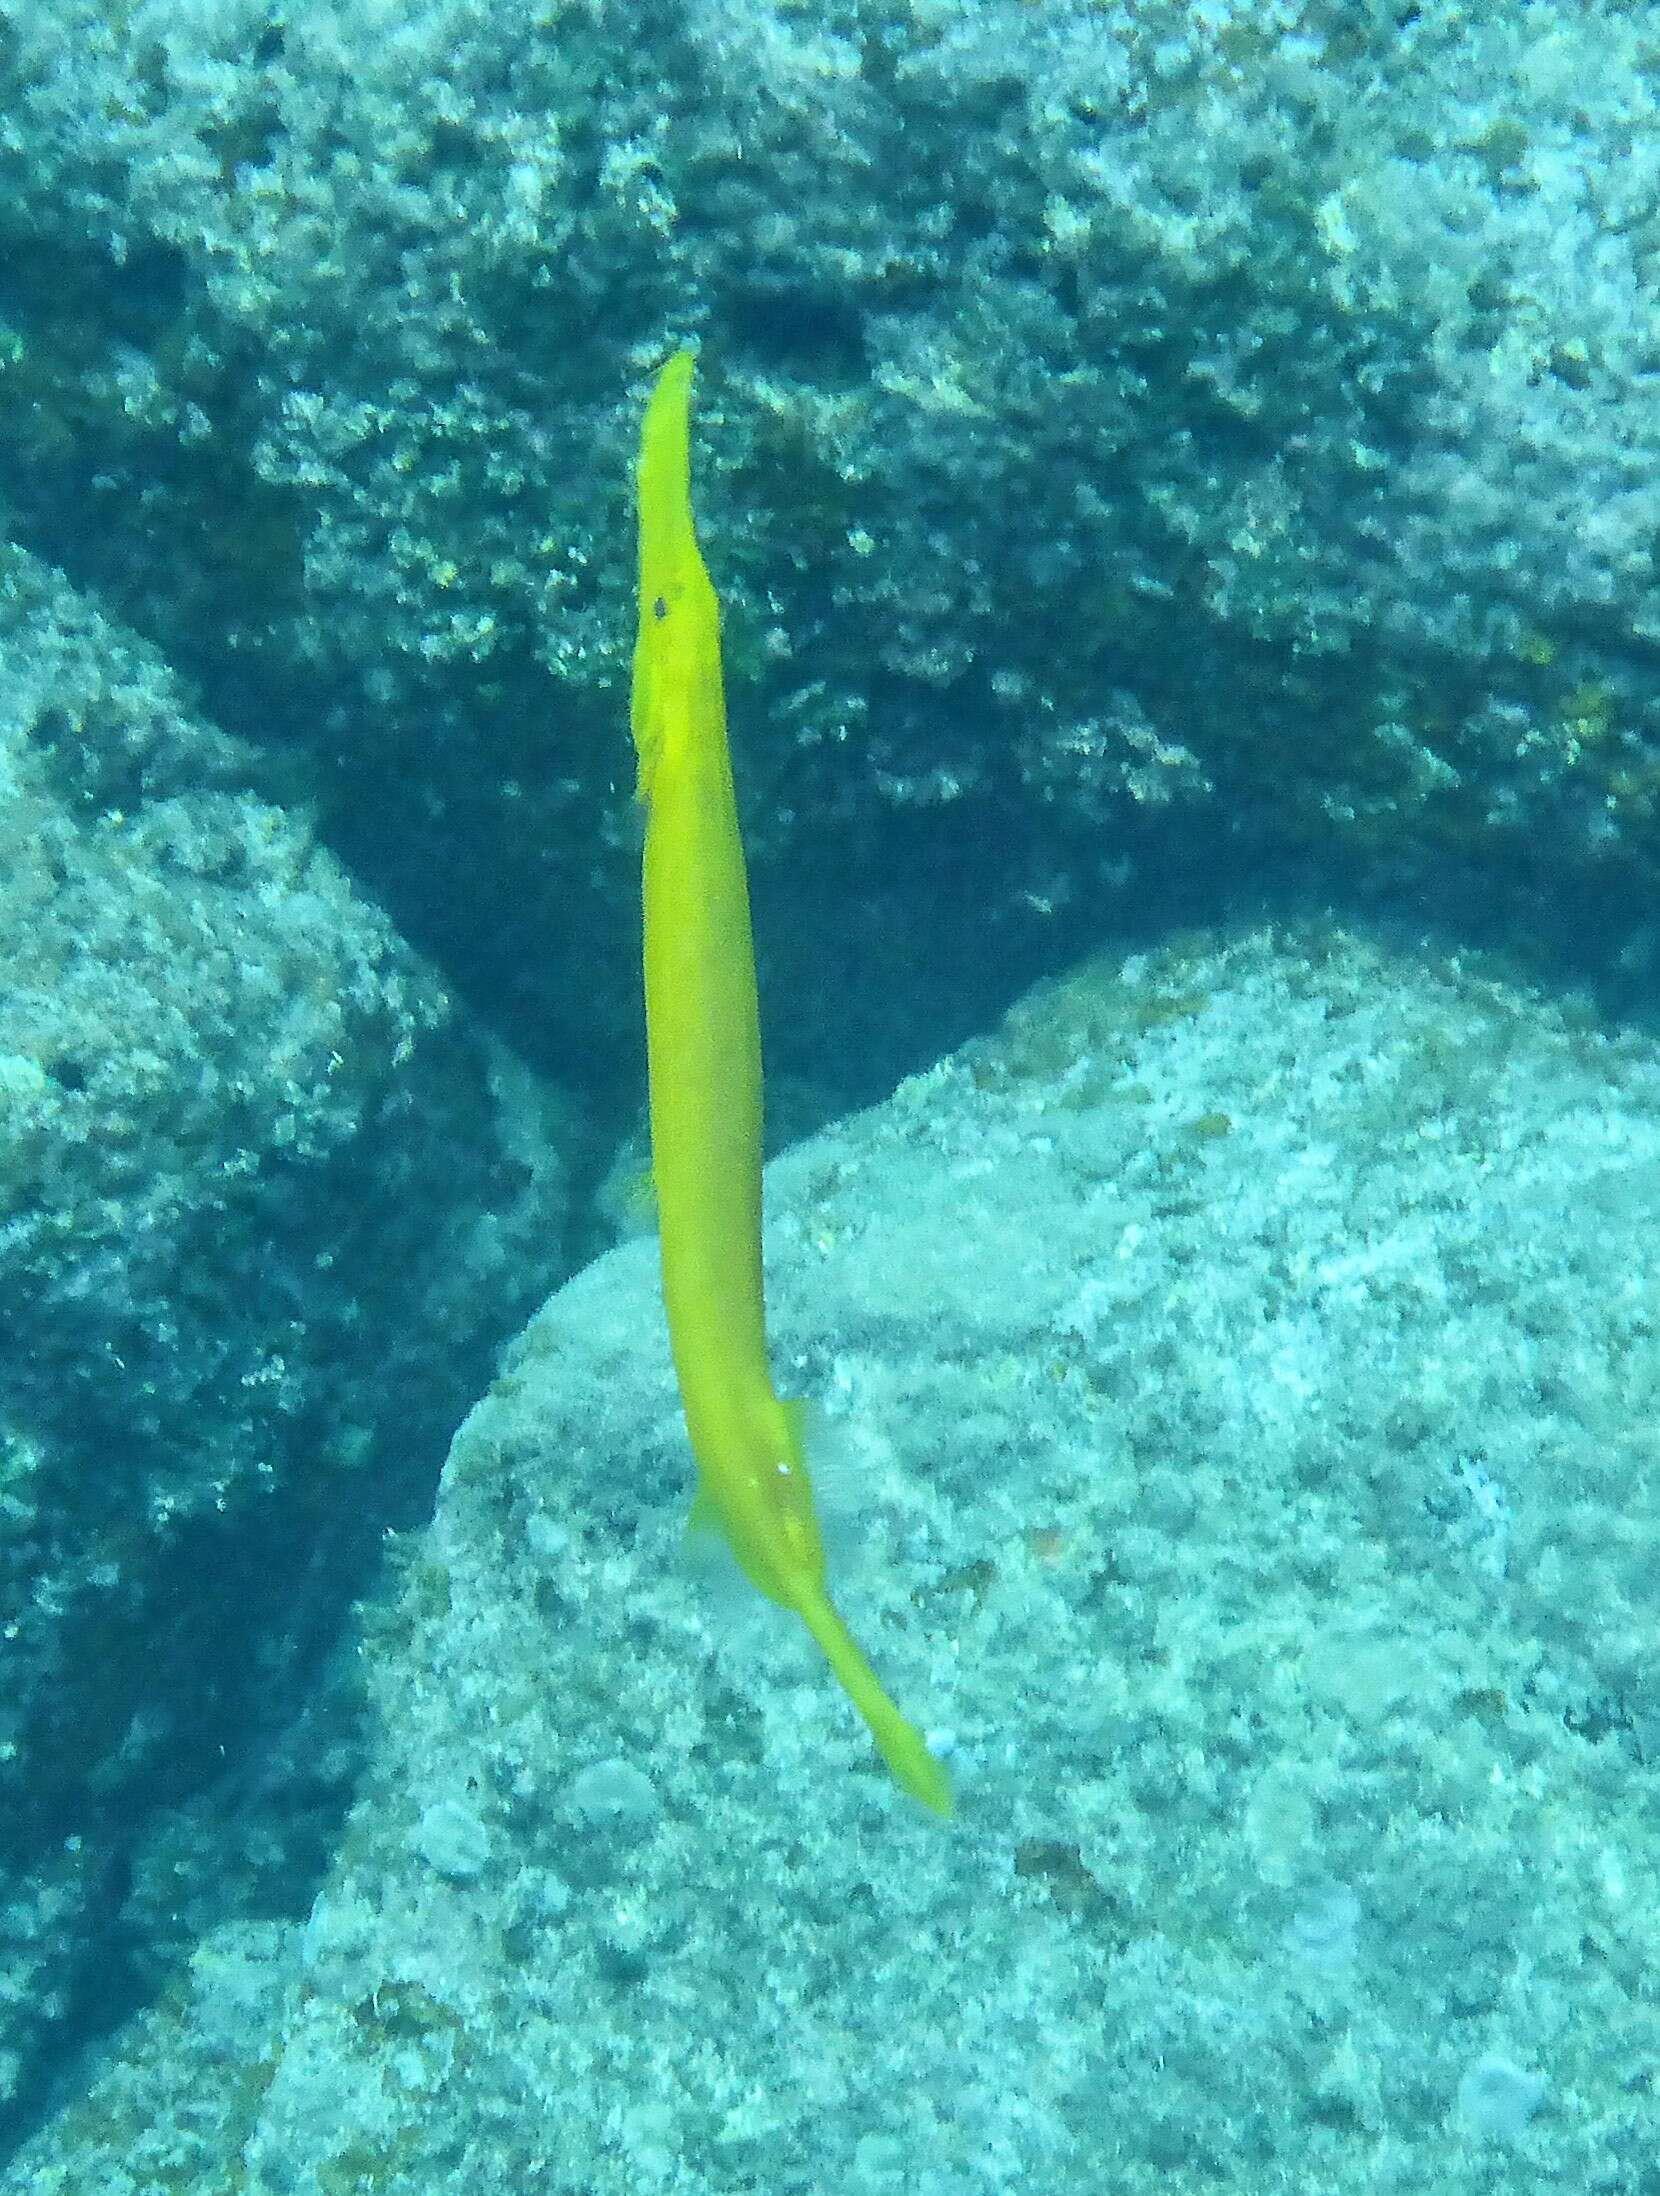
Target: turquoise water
[[1179, 484]]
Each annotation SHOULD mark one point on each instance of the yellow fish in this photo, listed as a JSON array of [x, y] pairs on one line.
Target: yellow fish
[[703, 1044]]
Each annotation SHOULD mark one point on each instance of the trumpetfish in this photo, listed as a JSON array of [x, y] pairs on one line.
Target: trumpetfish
[[703, 1047]]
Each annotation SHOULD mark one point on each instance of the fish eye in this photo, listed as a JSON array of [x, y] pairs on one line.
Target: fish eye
[[659, 608]]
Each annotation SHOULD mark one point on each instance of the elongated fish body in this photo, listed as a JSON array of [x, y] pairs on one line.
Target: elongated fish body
[[703, 1046]]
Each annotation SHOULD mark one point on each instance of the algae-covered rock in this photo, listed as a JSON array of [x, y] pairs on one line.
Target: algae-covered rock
[[265, 1205], [1125, 424]]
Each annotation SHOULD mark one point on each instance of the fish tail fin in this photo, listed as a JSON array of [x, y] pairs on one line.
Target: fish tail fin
[[899, 1743]]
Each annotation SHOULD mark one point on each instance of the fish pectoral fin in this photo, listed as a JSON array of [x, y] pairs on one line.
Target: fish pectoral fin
[[705, 1550], [900, 1744]]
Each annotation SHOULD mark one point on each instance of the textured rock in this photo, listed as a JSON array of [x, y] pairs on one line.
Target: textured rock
[[1127, 429], [1245, 1378], [264, 1208]]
